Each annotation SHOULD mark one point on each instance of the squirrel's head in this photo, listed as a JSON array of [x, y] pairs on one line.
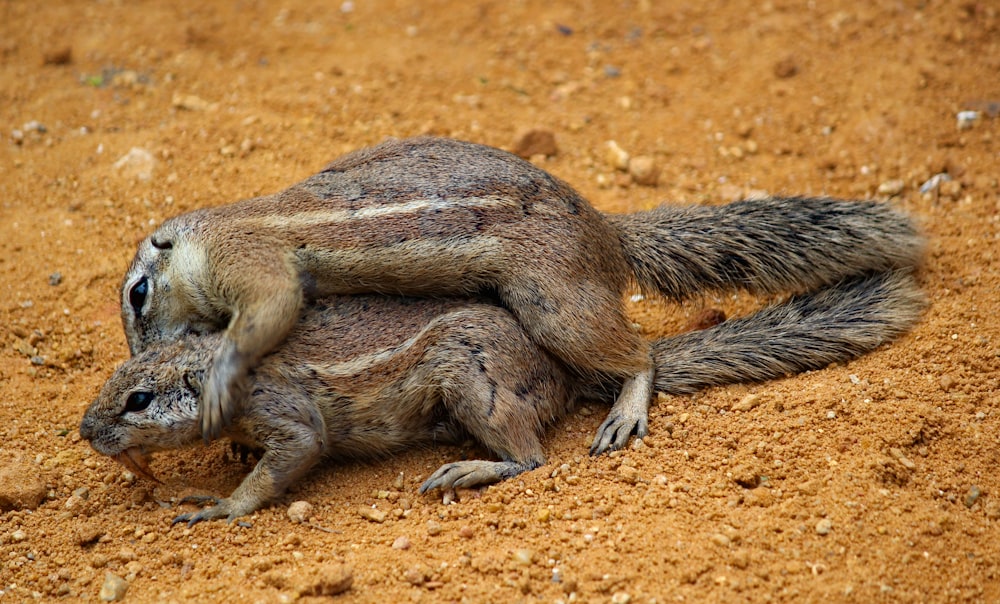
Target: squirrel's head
[[150, 403], [168, 270]]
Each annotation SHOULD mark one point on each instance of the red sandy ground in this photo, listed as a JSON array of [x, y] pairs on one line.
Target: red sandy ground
[[234, 99]]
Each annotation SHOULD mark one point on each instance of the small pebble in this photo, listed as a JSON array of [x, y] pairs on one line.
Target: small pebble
[[325, 581], [414, 576], [947, 382], [55, 278], [621, 597], [891, 187], [932, 183], [524, 556], [189, 102], [34, 126], [372, 514], [720, 539], [748, 402], [466, 532], [824, 526], [628, 474], [401, 543], [138, 163], [448, 497], [113, 589], [21, 485], [972, 496], [644, 170], [966, 119], [902, 458], [434, 528], [300, 511], [615, 156]]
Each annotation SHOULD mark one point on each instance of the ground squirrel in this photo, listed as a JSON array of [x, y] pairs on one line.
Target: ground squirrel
[[363, 376], [438, 217]]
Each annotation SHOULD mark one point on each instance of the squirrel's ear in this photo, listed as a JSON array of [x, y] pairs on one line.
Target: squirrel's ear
[[192, 381], [161, 243]]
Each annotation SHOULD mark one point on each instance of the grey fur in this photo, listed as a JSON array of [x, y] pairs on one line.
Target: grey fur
[[438, 217], [366, 376]]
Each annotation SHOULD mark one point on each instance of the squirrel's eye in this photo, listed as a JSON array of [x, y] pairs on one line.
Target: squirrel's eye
[[137, 295], [138, 401]]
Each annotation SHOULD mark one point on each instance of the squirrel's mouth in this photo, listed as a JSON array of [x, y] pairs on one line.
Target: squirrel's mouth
[[136, 461]]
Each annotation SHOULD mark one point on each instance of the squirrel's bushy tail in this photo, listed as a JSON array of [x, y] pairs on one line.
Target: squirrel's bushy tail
[[808, 331], [770, 245]]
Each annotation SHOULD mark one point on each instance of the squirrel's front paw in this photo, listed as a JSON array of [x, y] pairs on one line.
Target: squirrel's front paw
[[223, 508], [221, 398]]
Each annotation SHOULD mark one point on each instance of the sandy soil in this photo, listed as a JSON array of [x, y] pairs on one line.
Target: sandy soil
[[881, 481]]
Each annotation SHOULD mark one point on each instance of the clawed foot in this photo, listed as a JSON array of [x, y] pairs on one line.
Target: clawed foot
[[616, 430], [467, 474], [242, 453], [628, 416], [221, 509]]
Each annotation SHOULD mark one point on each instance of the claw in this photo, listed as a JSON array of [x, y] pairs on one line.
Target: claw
[[218, 510], [470, 474], [200, 500], [615, 432], [190, 518], [628, 416]]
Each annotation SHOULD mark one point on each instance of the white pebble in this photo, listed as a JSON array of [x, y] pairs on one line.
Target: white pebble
[[138, 163], [891, 187], [616, 157], [932, 183], [824, 526], [114, 588], [965, 119], [401, 542], [300, 511]]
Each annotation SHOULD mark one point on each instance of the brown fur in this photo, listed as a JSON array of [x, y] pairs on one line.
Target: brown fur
[[436, 217], [363, 376]]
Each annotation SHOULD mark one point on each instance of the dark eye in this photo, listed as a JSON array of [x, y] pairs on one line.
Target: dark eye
[[137, 295], [138, 401]]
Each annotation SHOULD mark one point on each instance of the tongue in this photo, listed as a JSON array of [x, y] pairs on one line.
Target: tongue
[[133, 459]]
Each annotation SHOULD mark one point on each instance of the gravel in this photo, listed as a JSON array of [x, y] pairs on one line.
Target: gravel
[[21, 485], [113, 589], [300, 511], [824, 526]]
